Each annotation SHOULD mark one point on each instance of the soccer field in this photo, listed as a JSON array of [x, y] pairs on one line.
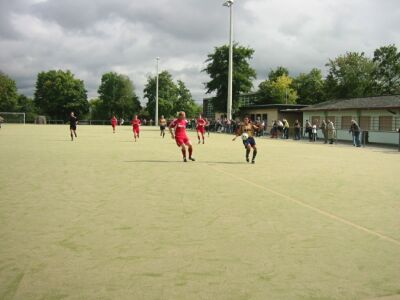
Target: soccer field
[[106, 218]]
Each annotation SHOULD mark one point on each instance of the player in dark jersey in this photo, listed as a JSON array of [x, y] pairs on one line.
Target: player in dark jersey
[[73, 121], [248, 128]]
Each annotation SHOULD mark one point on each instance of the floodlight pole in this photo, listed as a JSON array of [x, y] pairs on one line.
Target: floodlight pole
[[156, 118], [229, 4]]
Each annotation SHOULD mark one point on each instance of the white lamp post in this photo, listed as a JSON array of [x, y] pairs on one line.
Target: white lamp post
[[229, 4], [156, 118]]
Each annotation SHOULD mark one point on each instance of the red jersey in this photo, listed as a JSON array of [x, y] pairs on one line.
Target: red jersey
[[201, 122], [136, 123], [180, 127], [114, 121]]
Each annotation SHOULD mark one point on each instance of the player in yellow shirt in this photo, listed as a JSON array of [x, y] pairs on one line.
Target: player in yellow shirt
[[247, 130]]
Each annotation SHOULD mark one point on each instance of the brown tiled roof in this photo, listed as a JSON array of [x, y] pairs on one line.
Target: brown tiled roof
[[381, 102]]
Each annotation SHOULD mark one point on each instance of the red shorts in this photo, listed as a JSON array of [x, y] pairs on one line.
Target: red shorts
[[113, 125], [136, 130], [182, 140], [201, 129]]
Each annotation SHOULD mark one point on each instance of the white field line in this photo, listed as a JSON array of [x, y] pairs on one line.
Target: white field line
[[315, 209]]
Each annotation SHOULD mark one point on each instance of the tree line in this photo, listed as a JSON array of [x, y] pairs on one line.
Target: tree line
[[58, 92], [350, 75]]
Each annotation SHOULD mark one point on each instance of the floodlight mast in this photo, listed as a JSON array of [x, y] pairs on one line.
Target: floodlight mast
[[229, 3], [156, 117]]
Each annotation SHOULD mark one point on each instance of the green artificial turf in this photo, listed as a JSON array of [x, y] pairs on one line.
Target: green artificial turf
[[106, 218]]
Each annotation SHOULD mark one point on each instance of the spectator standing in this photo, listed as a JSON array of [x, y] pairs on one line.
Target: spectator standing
[[355, 132], [297, 129], [314, 133], [285, 129], [309, 130], [280, 128], [274, 130], [324, 131], [331, 131]]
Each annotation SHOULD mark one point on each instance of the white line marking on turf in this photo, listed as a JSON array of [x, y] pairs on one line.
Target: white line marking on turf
[[315, 209]]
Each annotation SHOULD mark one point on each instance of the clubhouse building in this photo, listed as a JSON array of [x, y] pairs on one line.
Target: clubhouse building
[[378, 117]]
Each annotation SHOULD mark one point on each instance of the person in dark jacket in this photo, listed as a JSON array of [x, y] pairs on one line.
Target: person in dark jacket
[[297, 130], [309, 130], [324, 129], [355, 132], [73, 121]]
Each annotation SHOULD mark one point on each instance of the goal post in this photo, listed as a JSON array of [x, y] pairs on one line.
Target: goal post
[[12, 117]]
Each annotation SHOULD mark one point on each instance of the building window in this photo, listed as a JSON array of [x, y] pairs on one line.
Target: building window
[[365, 123], [265, 117], [346, 122], [315, 120], [385, 123]]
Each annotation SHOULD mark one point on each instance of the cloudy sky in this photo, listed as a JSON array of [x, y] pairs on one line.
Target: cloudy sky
[[91, 37]]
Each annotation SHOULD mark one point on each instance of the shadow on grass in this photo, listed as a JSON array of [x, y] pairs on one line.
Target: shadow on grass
[[179, 161]]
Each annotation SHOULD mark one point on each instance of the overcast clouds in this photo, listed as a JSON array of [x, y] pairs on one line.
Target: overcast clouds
[[91, 37]]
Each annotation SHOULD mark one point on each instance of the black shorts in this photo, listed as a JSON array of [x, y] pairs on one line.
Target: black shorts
[[162, 127], [72, 127], [250, 141]]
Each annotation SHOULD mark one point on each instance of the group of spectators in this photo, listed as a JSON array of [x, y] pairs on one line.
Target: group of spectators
[[280, 129], [327, 128]]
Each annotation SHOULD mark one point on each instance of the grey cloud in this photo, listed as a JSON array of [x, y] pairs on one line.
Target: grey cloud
[[92, 37]]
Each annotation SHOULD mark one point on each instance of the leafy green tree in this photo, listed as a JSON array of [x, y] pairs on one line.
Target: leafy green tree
[[58, 93], [387, 72], [116, 96], [280, 71], [167, 95], [349, 76], [185, 102], [8, 93], [310, 87], [267, 95], [279, 91], [97, 111], [217, 69], [27, 105]]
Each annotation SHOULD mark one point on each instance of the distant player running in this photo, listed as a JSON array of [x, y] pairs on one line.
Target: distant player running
[[246, 130], [181, 138], [201, 124], [136, 127], [114, 122], [163, 125], [73, 121]]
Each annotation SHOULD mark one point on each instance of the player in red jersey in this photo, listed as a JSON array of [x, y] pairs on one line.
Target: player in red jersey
[[181, 138], [114, 122], [136, 126], [201, 128]]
